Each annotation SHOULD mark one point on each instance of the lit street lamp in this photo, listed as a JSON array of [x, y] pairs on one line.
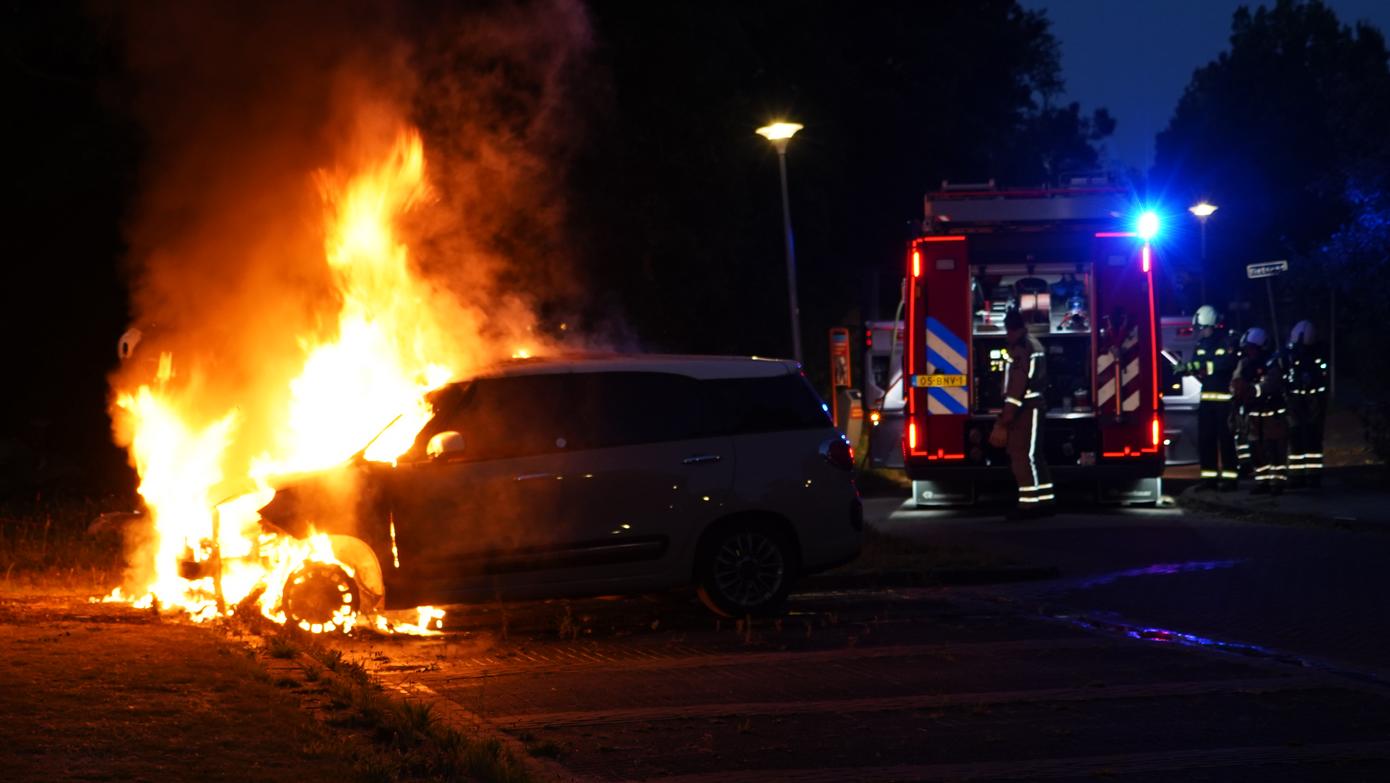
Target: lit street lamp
[[1202, 210], [779, 133]]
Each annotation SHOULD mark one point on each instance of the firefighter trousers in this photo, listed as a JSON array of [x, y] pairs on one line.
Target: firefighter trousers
[[1240, 431], [1305, 447], [1271, 462], [1216, 444], [1025, 448]]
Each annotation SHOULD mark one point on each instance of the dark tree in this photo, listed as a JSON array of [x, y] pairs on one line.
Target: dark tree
[[1286, 131], [678, 202], [72, 161], [1275, 129]]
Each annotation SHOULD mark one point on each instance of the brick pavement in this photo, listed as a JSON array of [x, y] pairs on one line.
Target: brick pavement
[[905, 685]]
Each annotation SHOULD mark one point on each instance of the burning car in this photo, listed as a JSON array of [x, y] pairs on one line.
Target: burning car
[[585, 476], [536, 478]]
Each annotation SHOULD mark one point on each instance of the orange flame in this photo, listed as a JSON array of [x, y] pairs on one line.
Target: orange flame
[[391, 343]]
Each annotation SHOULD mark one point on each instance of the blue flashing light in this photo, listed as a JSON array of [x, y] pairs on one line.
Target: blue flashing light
[[1147, 225]]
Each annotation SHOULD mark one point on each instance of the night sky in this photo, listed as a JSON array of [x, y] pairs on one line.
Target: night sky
[[1134, 57]]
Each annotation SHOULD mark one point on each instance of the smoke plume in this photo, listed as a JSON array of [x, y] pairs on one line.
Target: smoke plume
[[252, 112]]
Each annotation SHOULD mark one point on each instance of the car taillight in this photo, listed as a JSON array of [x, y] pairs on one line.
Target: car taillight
[[838, 452]]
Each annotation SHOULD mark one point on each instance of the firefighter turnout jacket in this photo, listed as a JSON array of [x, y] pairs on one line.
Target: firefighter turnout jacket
[[1025, 377], [1306, 377], [1258, 384], [1213, 363]]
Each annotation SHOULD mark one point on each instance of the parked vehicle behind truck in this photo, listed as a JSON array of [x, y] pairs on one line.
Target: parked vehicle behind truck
[[883, 392]]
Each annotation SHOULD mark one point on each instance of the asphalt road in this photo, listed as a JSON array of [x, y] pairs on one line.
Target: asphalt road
[[1170, 644], [1315, 592]]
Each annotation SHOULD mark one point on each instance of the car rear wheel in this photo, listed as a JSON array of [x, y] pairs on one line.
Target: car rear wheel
[[746, 569]]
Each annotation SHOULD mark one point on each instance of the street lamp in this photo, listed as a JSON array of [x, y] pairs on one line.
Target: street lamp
[[779, 133], [1203, 210]]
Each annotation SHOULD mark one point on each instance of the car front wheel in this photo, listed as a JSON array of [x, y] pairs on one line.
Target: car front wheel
[[321, 598], [746, 570]]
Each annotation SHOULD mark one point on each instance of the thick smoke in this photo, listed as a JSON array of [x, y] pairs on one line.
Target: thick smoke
[[249, 108]]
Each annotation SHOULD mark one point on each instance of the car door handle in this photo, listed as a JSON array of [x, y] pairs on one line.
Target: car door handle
[[534, 476], [699, 459]]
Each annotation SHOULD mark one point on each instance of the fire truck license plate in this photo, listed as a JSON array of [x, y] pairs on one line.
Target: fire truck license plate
[[927, 381]]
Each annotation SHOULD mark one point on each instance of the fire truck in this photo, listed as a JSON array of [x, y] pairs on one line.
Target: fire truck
[[1079, 265]]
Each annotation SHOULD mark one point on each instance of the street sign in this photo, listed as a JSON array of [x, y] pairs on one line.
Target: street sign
[[1266, 269]]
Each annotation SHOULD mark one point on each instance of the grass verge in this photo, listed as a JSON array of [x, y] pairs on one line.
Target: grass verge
[[50, 546], [409, 741], [105, 692]]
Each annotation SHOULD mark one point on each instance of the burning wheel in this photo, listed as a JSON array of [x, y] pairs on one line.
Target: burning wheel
[[321, 598], [746, 570]]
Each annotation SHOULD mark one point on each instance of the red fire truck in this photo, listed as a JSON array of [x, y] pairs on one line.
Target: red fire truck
[[1079, 265]]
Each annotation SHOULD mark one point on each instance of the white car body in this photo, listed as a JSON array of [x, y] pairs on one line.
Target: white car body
[[565, 477]]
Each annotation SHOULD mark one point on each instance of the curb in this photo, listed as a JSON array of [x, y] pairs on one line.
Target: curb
[[464, 720], [939, 578], [450, 713], [1188, 501]]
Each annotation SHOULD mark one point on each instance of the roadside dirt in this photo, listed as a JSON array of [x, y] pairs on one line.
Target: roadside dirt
[[106, 692]]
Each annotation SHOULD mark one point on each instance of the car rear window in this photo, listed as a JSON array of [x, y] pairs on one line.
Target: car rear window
[[735, 406]]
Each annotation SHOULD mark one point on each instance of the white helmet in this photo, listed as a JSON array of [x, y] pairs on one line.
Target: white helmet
[[1205, 316], [1255, 336], [1303, 334]]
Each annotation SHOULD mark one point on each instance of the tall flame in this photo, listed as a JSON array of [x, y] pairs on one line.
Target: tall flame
[[391, 343]]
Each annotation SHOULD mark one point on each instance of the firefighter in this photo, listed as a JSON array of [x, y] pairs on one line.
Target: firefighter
[[1258, 384], [1306, 379], [1213, 363], [1019, 429]]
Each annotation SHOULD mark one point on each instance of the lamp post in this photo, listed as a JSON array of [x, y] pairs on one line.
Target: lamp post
[[779, 133], [1202, 210]]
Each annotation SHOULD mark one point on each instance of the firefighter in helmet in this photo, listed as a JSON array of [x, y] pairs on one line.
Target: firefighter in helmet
[[1019, 429], [1213, 362], [1258, 384], [1306, 380]]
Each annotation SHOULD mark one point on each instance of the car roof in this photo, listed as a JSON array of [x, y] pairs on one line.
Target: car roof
[[699, 367]]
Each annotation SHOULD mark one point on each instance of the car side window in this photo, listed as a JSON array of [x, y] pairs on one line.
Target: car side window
[[611, 409], [504, 418], [735, 406]]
